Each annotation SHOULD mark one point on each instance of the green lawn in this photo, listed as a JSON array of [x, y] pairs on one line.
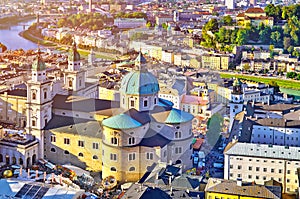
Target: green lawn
[[291, 84]]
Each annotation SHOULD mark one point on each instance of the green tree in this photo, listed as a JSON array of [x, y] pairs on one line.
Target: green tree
[[273, 11], [286, 42], [212, 25], [227, 20], [242, 37], [291, 75], [276, 38], [264, 35]]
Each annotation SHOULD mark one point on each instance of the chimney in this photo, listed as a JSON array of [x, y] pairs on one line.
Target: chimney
[[239, 182]]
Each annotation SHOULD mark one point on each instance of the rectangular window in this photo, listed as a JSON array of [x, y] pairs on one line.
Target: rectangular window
[[80, 143], [280, 170], [145, 103], [149, 156], [53, 138], [265, 169], [132, 103], [131, 156], [66, 141], [257, 168], [250, 168], [178, 150], [239, 167], [113, 156], [95, 145]]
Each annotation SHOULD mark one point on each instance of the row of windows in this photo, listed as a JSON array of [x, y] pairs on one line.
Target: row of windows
[[115, 140], [272, 170], [81, 143], [281, 137], [292, 131], [265, 161], [114, 169], [66, 152], [132, 102], [132, 156], [34, 95], [262, 178]]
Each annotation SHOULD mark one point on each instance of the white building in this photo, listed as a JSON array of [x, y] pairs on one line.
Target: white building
[[130, 22], [276, 131], [230, 4], [260, 163]]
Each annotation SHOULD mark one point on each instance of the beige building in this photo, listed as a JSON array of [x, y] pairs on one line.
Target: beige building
[[261, 162], [216, 62]]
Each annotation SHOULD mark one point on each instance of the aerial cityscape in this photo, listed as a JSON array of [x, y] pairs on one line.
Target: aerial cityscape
[[149, 99]]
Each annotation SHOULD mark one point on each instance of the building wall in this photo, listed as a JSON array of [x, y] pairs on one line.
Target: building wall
[[13, 109], [261, 169], [275, 135], [88, 161]]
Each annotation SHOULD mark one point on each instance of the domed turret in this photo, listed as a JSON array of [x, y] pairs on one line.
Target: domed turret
[[74, 62], [139, 88], [74, 56], [38, 64], [38, 72]]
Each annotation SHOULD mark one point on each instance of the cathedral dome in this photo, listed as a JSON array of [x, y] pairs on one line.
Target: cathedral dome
[[73, 54], [139, 83]]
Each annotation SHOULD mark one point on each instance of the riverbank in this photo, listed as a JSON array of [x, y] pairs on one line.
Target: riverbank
[[27, 35], [283, 83], [9, 21]]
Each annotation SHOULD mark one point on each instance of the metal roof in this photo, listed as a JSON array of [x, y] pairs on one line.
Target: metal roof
[[264, 151]]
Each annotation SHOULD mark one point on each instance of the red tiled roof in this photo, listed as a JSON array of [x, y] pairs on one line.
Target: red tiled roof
[[255, 10], [241, 15]]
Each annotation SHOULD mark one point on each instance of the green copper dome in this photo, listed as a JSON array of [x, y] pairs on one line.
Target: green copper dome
[[38, 64], [139, 83], [121, 121], [177, 116], [73, 54]]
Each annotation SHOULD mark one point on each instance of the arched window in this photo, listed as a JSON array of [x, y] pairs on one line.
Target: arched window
[[114, 140], [132, 169], [33, 96], [95, 157], [131, 140], [67, 152], [178, 134], [113, 169], [80, 154], [70, 83], [53, 150]]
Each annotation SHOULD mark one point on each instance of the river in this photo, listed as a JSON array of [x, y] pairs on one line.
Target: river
[[12, 40]]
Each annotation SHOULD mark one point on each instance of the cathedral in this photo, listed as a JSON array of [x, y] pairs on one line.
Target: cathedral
[[69, 125]]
